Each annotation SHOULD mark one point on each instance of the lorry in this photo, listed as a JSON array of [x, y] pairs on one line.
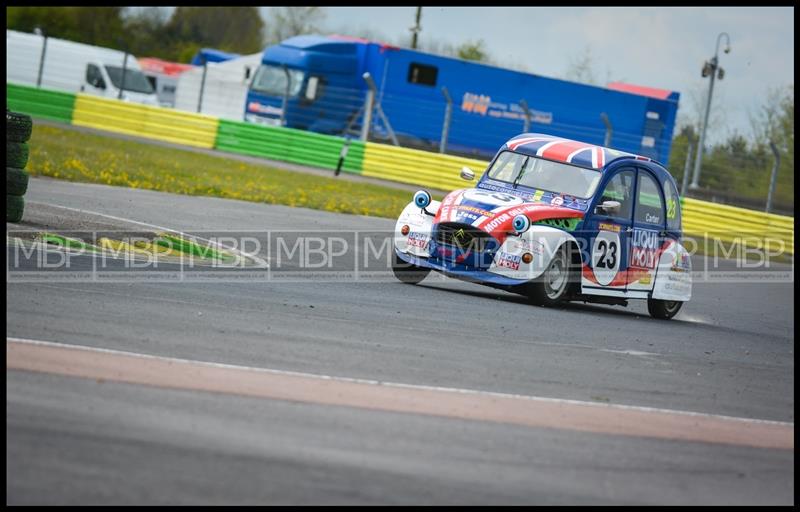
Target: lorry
[[58, 64], [319, 83]]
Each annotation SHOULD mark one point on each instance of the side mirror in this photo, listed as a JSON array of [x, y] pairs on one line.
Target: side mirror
[[311, 88], [608, 207], [467, 174]]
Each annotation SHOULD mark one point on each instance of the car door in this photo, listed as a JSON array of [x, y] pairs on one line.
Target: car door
[[608, 232], [647, 237]]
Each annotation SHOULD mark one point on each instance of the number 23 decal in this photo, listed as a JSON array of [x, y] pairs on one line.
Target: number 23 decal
[[606, 256], [611, 262]]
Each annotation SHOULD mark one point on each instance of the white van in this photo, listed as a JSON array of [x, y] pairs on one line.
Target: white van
[[75, 67], [224, 87]]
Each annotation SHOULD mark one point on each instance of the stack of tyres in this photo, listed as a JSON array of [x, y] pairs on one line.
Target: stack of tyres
[[18, 131]]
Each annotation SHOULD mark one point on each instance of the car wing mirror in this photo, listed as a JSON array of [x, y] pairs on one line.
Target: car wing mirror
[[608, 207], [467, 173]]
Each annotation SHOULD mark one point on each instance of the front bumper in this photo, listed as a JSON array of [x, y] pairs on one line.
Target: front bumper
[[460, 271]]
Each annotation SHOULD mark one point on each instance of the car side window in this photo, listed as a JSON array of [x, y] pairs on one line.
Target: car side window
[[93, 76], [649, 205], [673, 207], [620, 189]]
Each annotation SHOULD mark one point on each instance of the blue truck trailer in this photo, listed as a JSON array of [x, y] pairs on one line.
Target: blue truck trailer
[[317, 83]]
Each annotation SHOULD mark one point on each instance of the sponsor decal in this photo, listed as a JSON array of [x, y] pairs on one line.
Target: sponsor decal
[[482, 104], [494, 223], [447, 205], [557, 201], [527, 245], [672, 208], [644, 248], [646, 279], [413, 219], [507, 260], [255, 106], [538, 195], [492, 198], [473, 209], [475, 103], [418, 240], [609, 227], [681, 263]]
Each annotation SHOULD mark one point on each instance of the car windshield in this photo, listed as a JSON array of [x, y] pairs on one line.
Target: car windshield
[[532, 172], [135, 81], [271, 80]]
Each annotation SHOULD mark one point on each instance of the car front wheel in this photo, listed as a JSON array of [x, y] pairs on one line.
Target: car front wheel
[[553, 286], [408, 273]]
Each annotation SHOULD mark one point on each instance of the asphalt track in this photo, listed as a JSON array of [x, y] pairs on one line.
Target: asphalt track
[[80, 440]]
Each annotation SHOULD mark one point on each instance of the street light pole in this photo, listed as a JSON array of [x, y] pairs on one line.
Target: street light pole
[[415, 30], [713, 69]]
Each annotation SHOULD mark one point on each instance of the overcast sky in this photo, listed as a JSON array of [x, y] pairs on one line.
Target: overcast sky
[[662, 47]]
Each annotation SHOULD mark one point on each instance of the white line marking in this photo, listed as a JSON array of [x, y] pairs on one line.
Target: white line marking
[[395, 384], [260, 262]]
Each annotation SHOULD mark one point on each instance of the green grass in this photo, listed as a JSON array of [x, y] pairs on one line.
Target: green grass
[[76, 156]]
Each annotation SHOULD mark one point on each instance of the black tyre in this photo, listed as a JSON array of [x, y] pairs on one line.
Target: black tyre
[[17, 154], [555, 284], [16, 182], [408, 273], [663, 309], [14, 207], [18, 127]]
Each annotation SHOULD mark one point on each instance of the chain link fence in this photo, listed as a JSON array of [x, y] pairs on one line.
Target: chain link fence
[[762, 181]]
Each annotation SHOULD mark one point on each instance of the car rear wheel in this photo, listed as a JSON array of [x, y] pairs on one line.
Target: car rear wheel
[[408, 273], [663, 309], [553, 286]]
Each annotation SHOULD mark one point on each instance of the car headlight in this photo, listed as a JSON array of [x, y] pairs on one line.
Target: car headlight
[[521, 224], [422, 199]]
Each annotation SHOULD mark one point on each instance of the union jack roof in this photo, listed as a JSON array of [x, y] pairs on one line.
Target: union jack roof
[[568, 151]]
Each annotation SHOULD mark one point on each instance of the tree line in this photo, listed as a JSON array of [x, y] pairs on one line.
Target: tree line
[[738, 169], [148, 32]]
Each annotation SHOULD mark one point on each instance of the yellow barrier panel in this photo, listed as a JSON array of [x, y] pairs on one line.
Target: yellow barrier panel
[[145, 121], [433, 170], [728, 223]]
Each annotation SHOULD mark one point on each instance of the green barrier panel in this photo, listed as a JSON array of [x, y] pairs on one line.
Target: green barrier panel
[[54, 105], [288, 145], [64, 241], [192, 247]]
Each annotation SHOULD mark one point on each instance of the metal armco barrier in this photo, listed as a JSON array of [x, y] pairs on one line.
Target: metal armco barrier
[[417, 167], [54, 105], [145, 121], [729, 223], [434, 170], [288, 145]]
